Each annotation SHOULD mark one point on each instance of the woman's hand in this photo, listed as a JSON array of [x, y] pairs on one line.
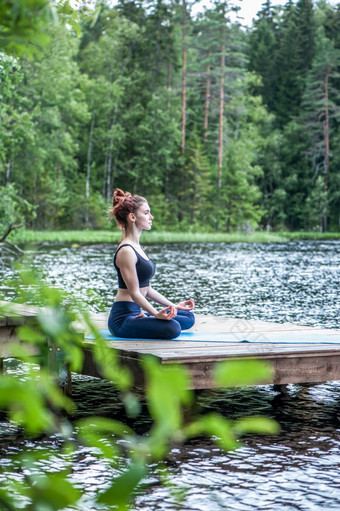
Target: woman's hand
[[187, 305], [168, 313]]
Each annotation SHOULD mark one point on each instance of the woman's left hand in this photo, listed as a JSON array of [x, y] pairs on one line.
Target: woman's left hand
[[187, 305]]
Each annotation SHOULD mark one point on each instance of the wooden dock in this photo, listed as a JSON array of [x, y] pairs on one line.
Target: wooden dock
[[292, 361]]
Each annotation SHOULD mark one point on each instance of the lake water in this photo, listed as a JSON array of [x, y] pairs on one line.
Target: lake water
[[295, 282]]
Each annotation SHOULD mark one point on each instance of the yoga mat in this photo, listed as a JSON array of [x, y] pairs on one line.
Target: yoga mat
[[289, 337]]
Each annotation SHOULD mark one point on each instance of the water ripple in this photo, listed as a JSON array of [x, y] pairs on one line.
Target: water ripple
[[295, 470]]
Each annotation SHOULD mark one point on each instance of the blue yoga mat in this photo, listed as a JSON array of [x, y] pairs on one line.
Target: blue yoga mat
[[289, 337]]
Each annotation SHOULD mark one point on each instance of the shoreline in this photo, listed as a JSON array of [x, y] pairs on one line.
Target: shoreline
[[113, 236]]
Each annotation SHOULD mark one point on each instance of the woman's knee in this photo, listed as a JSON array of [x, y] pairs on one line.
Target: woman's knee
[[186, 319], [176, 327], [190, 318], [173, 328]]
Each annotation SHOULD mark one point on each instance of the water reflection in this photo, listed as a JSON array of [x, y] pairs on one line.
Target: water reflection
[[296, 470]]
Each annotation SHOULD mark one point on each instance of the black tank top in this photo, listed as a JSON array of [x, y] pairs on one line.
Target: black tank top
[[145, 269]]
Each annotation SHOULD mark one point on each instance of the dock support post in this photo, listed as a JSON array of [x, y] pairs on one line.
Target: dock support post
[[283, 389], [59, 368]]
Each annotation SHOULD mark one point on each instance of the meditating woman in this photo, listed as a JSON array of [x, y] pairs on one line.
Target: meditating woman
[[135, 271]]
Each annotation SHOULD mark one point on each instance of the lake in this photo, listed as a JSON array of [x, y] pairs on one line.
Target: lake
[[283, 282]]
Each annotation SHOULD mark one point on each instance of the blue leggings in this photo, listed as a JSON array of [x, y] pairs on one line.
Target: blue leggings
[[123, 323]]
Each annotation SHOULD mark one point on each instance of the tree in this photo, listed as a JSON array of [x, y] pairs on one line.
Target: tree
[[289, 81], [263, 46], [294, 57], [240, 206], [50, 91], [197, 204], [24, 24], [321, 110]]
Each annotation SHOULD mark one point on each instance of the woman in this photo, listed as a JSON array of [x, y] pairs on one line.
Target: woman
[[135, 271]]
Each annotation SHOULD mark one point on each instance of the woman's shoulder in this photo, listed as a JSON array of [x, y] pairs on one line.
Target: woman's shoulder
[[125, 250]]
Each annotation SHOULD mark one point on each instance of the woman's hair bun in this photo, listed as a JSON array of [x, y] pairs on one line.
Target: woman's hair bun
[[119, 196], [124, 203]]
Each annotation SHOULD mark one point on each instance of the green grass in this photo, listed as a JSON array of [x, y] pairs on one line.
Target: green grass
[[23, 237]]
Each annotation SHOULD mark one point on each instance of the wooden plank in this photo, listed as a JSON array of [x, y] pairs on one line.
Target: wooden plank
[[292, 363], [183, 359], [313, 369], [208, 347], [7, 335], [286, 370], [18, 313], [314, 366]]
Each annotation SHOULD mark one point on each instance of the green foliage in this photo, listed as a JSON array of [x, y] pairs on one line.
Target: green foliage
[[34, 402], [246, 372], [24, 24], [25, 21], [26, 401], [14, 209], [53, 492], [80, 237], [119, 493], [103, 108], [317, 205]]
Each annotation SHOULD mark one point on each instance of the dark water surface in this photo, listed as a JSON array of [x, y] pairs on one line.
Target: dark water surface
[[295, 470]]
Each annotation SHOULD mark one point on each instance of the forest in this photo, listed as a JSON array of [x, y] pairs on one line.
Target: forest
[[222, 127]]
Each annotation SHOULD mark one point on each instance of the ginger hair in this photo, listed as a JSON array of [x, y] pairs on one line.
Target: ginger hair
[[123, 203]]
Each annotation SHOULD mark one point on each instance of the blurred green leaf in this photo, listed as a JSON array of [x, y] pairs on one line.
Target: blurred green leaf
[[235, 373], [103, 434], [30, 334], [132, 404], [53, 492], [120, 492], [53, 322], [22, 352], [6, 502], [24, 23], [261, 425], [107, 358], [214, 424], [26, 401], [167, 393], [167, 390]]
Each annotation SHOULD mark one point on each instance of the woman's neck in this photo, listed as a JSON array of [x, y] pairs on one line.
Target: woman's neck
[[132, 236]]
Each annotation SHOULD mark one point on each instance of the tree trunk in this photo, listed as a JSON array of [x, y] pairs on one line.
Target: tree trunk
[[109, 164], [8, 172], [184, 76], [169, 76], [113, 173], [88, 174], [326, 139], [207, 101], [220, 138], [8, 231], [104, 185]]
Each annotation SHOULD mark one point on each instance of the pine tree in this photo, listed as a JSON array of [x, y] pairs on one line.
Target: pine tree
[[263, 46], [321, 110], [288, 61]]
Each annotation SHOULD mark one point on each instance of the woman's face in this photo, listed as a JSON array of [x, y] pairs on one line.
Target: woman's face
[[143, 217]]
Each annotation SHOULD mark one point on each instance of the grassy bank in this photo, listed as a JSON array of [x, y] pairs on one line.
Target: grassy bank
[[23, 237]]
